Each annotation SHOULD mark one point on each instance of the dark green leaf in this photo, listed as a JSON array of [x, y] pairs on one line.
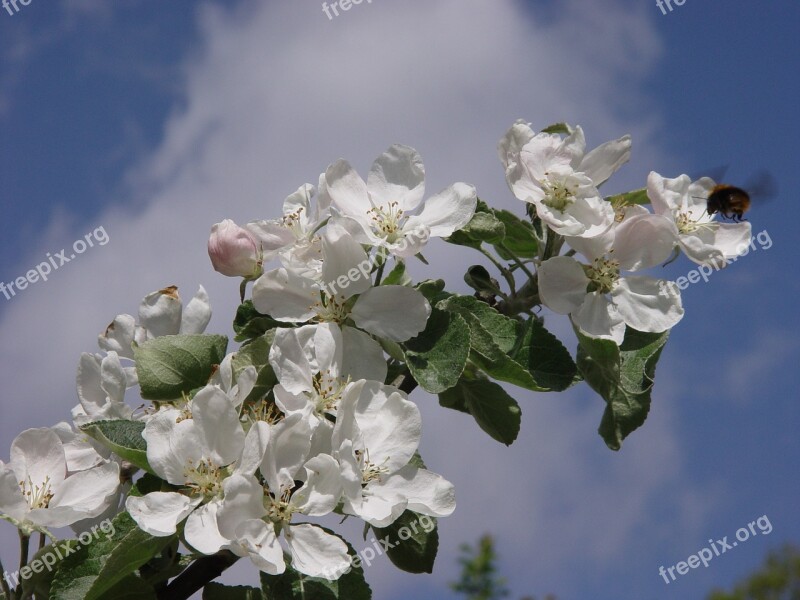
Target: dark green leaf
[[557, 128], [623, 376], [123, 438], [171, 365], [413, 541], [256, 354], [479, 279], [545, 357], [485, 227], [96, 568], [519, 239], [249, 323], [437, 356], [497, 413], [432, 289]]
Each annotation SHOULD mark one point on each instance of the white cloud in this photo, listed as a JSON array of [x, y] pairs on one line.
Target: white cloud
[[275, 93]]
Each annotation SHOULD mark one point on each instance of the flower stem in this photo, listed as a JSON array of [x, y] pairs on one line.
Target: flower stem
[[24, 544], [519, 263], [509, 277], [4, 583]]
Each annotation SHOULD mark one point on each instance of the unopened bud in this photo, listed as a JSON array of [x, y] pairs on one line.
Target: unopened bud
[[234, 251]]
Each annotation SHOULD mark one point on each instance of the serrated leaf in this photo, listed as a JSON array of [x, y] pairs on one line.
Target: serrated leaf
[[623, 376], [217, 591], [123, 438], [485, 227], [92, 571], [417, 552], [38, 584], [497, 413], [249, 323], [545, 357], [171, 365], [438, 355], [431, 289], [520, 238]]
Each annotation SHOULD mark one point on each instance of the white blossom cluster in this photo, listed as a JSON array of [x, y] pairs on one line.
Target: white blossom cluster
[[603, 291]]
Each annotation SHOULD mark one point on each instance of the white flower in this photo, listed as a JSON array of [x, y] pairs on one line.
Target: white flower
[[376, 435], [234, 251], [381, 208], [394, 312], [560, 179], [314, 372], [703, 239], [250, 519], [35, 487], [294, 237], [599, 300], [195, 453]]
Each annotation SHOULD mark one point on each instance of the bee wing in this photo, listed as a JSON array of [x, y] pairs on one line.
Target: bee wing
[[762, 185]]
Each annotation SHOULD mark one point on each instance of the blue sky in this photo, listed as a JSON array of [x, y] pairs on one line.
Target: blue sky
[[155, 120]]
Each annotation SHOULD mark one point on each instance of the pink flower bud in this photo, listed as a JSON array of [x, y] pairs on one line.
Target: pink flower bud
[[234, 251]]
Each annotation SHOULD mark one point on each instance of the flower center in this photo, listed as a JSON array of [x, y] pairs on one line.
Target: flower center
[[558, 195], [387, 221], [604, 274], [686, 224], [293, 223], [38, 496], [204, 478], [369, 470], [329, 391], [330, 310], [279, 508]]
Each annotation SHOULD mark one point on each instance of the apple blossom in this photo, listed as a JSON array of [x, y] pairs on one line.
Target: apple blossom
[[234, 251]]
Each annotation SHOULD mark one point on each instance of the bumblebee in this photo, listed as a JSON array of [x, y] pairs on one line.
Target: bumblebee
[[729, 201]]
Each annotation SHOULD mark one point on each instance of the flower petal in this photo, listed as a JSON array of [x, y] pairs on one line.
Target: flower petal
[[602, 162], [158, 513], [599, 318], [397, 175], [197, 313], [646, 304], [160, 312], [447, 211], [394, 312], [285, 296], [316, 552], [562, 284]]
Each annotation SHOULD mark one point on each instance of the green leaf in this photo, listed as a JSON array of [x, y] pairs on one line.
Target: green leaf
[[485, 227], [558, 128], [293, 585], [38, 584], [438, 355], [249, 323], [520, 238], [479, 279], [256, 354], [397, 276], [623, 376], [629, 198], [412, 541], [171, 365], [217, 591], [123, 438], [497, 413], [545, 357], [432, 289], [107, 563]]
